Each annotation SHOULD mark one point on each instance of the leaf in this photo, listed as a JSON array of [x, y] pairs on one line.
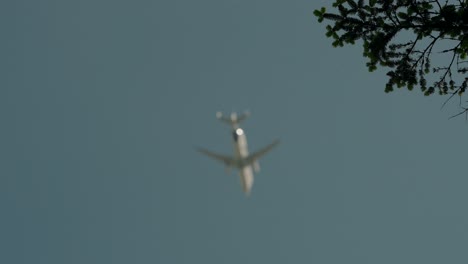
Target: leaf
[[402, 15], [352, 4], [333, 17]]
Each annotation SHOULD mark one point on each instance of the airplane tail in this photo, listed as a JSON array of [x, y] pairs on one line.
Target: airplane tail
[[233, 119]]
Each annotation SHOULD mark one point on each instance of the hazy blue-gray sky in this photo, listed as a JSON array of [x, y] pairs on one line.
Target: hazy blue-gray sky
[[102, 102]]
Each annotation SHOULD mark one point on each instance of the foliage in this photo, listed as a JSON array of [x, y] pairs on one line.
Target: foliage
[[378, 23]]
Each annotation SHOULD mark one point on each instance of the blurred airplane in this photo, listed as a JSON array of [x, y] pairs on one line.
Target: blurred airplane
[[246, 163]]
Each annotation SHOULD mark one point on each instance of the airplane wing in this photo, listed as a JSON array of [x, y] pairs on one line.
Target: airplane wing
[[227, 160], [256, 155]]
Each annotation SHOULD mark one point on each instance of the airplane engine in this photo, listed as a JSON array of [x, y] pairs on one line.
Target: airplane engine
[[256, 167]]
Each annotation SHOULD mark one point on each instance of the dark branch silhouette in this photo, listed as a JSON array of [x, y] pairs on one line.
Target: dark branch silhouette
[[419, 25]]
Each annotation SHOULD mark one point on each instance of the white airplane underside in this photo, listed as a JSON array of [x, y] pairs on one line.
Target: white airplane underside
[[246, 163]]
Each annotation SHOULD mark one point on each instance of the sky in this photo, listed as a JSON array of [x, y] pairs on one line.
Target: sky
[[103, 103]]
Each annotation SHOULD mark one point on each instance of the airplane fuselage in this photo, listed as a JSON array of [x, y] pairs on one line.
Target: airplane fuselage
[[241, 153]]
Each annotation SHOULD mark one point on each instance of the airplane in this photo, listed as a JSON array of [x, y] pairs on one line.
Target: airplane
[[246, 163]]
